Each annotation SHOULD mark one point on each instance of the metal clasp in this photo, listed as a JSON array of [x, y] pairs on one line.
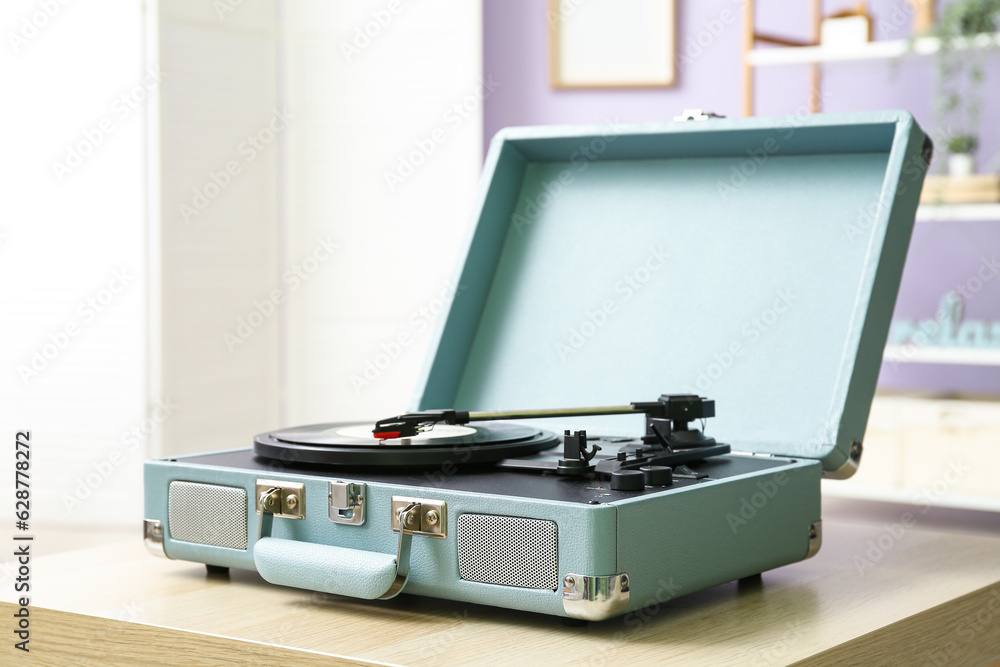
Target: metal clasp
[[278, 499], [430, 517], [282, 499], [347, 502]]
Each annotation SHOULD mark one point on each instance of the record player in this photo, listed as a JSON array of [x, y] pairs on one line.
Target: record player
[[733, 278]]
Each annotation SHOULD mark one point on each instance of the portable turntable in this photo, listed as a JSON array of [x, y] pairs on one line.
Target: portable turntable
[[747, 267]]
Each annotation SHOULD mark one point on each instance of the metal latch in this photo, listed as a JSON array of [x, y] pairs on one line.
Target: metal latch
[[282, 499], [347, 502], [278, 499], [696, 114], [428, 517]]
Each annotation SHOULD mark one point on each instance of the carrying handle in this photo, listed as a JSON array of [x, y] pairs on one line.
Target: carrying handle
[[407, 517], [337, 570]]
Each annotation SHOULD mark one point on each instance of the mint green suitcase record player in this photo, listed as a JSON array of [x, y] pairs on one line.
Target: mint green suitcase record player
[[734, 277]]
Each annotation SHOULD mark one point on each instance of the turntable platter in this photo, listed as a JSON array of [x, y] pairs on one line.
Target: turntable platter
[[354, 445]]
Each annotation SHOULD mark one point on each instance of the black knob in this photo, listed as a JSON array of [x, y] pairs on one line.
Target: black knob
[[658, 475], [627, 480]]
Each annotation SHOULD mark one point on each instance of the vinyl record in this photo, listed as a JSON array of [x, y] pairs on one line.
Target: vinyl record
[[352, 444]]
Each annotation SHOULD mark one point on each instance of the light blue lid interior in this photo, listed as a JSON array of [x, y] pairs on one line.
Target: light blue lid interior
[[751, 261]]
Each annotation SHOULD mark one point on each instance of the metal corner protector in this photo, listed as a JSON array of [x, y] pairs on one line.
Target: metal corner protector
[[815, 539], [850, 466], [592, 598], [152, 537]]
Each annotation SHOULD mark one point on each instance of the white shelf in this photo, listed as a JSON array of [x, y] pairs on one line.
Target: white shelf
[[845, 489], [958, 213], [870, 51], [983, 356]]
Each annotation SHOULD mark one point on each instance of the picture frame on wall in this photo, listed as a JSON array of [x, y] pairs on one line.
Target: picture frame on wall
[[612, 43]]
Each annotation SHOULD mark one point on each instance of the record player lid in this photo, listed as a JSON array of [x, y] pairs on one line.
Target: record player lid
[[754, 261]]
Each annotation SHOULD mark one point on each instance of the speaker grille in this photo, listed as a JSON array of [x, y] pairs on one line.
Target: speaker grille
[[508, 551], [208, 514]]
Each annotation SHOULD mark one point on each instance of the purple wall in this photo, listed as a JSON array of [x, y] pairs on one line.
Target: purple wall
[[516, 53]]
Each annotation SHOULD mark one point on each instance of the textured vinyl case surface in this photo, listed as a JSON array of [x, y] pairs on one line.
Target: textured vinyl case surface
[[504, 550], [752, 261]]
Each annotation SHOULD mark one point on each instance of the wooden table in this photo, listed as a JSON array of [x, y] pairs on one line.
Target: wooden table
[[873, 595]]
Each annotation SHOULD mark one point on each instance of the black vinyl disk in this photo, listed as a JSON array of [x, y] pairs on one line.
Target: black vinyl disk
[[353, 445]]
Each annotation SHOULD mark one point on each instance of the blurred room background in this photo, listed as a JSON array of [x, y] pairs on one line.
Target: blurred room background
[[225, 216]]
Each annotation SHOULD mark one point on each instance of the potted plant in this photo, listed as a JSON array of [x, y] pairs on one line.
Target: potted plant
[[961, 162], [960, 76]]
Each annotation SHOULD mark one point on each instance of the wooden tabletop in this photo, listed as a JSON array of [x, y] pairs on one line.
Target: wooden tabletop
[[877, 593]]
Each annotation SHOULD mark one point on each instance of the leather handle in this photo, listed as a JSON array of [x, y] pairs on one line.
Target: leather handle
[[327, 569]]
